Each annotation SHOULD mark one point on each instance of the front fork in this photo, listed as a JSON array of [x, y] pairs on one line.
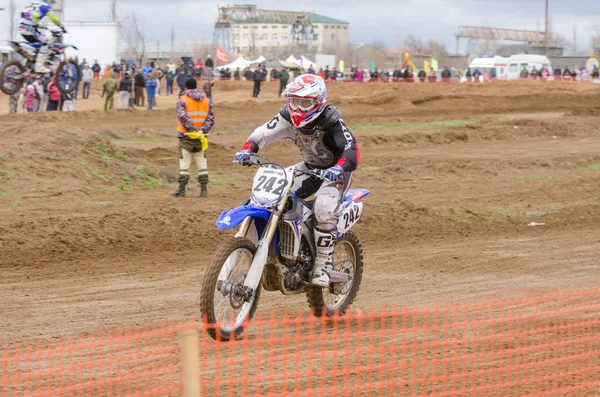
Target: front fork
[[254, 275]]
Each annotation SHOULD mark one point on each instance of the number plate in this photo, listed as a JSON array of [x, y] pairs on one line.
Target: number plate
[[270, 186]]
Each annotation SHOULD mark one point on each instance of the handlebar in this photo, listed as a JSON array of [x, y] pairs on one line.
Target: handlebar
[[255, 159]]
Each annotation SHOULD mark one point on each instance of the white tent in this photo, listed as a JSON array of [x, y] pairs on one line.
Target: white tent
[[238, 63], [291, 59], [306, 63], [260, 59]]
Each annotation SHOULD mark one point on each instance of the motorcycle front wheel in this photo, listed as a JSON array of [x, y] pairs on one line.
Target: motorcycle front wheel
[[347, 258], [67, 76], [8, 83], [225, 304]]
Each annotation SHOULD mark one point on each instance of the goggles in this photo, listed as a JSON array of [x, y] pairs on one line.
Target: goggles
[[304, 104]]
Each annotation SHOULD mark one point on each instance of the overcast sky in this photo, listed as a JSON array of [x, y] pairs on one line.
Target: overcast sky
[[387, 20]]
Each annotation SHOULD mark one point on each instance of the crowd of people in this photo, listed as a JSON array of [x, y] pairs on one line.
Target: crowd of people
[[133, 85]]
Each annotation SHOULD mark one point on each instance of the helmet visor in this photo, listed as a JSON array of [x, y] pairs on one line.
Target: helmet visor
[[304, 104]]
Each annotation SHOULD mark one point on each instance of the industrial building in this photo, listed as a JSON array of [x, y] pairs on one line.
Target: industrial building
[[247, 31]]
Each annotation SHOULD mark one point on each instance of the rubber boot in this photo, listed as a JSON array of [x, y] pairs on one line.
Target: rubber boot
[[203, 190], [180, 192], [40, 63], [324, 242]]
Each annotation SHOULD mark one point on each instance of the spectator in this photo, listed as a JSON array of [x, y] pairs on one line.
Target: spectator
[[198, 68], [574, 74], [45, 81], [524, 72], [190, 67], [180, 67], [116, 70], [566, 73], [13, 102], [29, 98], [326, 73], [446, 75], [39, 95], [248, 75], [110, 86], [107, 71], [359, 76], [321, 73], [140, 85], [158, 75], [476, 75], [258, 77], [423, 76], [311, 70], [125, 91], [595, 72], [151, 85], [468, 75], [181, 79], [208, 89], [96, 70], [170, 77], [534, 73], [147, 69], [407, 75], [209, 64], [544, 73], [486, 75], [68, 99], [274, 74], [53, 96], [557, 72], [86, 76], [284, 77], [236, 74]]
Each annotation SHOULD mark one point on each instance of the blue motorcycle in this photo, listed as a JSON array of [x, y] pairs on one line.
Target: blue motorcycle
[[14, 74], [273, 249]]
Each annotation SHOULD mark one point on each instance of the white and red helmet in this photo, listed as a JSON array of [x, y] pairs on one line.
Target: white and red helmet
[[306, 96]]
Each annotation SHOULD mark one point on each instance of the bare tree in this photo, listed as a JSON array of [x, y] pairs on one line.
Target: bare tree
[[413, 43], [12, 10], [134, 37]]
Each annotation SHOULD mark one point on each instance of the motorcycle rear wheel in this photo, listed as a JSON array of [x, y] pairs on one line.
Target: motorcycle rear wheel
[[67, 70], [15, 85], [335, 300], [221, 290]]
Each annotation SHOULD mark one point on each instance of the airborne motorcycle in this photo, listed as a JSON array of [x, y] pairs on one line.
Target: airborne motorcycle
[[274, 249], [14, 74]]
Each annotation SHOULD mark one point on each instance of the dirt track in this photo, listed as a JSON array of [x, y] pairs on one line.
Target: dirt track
[[90, 238]]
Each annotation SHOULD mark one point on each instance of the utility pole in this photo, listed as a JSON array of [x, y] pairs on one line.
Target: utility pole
[[172, 43], [157, 50], [547, 33]]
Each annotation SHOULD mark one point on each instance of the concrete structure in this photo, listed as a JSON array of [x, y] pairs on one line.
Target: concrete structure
[[95, 40], [245, 30]]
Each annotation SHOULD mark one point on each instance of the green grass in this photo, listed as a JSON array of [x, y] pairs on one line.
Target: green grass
[[223, 181], [5, 175], [501, 211], [100, 176], [591, 167], [428, 125], [2, 158], [535, 214]]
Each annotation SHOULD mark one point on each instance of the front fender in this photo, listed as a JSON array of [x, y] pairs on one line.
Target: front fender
[[233, 217]]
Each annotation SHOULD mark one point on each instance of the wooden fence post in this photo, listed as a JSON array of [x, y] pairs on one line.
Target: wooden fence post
[[190, 365]]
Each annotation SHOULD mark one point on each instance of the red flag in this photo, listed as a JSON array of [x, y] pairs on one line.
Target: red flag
[[221, 55]]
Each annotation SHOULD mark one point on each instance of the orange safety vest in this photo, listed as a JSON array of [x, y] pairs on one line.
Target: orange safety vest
[[196, 111]]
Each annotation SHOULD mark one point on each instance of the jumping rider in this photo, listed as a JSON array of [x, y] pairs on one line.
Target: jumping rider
[[29, 27], [325, 143]]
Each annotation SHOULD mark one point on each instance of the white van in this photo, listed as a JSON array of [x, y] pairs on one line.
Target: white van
[[516, 63], [497, 66]]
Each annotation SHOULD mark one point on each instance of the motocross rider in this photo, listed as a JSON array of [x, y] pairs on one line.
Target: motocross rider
[[29, 29], [326, 144]]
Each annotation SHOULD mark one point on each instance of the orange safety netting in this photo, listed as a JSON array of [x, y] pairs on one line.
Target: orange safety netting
[[543, 345]]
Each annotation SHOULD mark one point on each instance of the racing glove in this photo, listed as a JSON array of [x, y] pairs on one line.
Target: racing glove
[[242, 155], [333, 173]]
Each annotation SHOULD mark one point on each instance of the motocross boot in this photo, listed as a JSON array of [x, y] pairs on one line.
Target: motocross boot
[[203, 190], [40, 62], [180, 192], [324, 242]]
